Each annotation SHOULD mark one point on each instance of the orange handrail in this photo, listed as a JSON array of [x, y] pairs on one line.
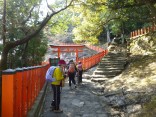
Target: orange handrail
[[91, 61], [20, 87], [142, 31]]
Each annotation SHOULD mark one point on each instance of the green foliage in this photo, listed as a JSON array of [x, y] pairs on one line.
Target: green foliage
[[121, 16], [116, 27], [89, 24], [89, 19], [61, 23], [28, 55], [21, 17], [36, 50]]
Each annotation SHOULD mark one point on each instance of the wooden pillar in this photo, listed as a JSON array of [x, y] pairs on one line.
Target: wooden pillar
[[25, 92], [8, 93], [59, 51], [18, 108], [77, 53]]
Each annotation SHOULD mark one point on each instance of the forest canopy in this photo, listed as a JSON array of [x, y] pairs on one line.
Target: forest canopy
[[25, 22]]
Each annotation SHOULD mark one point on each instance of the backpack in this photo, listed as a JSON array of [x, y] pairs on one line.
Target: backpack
[[71, 68], [79, 66], [49, 74]]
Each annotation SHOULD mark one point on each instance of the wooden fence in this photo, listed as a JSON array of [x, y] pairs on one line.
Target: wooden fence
[[91, 61], [20, 87], [142, 31]]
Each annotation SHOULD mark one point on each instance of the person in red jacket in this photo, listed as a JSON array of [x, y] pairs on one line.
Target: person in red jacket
[[59, 76], [71, 74]]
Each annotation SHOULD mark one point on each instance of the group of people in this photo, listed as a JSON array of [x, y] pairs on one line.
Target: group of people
[[73, 71], [61, 72]]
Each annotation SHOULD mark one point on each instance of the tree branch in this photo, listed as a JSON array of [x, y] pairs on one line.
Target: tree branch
[[4, 23], [49, 7], [34, 33], [29, 16]]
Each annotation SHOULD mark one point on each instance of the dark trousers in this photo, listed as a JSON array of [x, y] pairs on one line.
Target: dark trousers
[[56, 97], [80, 76], [71, 79]]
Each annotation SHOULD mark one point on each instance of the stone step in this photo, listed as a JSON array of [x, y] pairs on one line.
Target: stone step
[[113, 58], [107, 72], [99, 79], [114, 54], [108, 68], [112, 63], [102, 76]]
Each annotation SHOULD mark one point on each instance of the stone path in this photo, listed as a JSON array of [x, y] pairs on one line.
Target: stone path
[[84, 101], [79, 102], [98, 95]]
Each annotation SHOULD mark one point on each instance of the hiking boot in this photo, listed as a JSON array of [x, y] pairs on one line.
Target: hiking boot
[[52, 108], [58, 111], [75, 86]]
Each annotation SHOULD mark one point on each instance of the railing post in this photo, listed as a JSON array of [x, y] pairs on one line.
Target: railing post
[[29, 88], [131, 35], [141, 31], [38, 80], [33, 85], [76, 52], [8, 93], [138, 32], [25, 92], [59, 52], [1, 93], [18, 108]]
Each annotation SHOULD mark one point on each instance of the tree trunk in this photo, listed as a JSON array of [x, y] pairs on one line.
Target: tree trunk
[[4, 23], [4, 58], [24, 55]]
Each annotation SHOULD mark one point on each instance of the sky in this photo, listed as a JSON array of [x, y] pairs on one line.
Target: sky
[[49, 1], [44, 5]]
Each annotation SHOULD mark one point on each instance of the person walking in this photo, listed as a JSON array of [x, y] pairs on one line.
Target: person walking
[[80, 71], [71, 74], [56, 85]]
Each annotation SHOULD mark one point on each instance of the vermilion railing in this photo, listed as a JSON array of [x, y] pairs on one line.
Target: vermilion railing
[[20, 87], [91, 61], [142, 31]]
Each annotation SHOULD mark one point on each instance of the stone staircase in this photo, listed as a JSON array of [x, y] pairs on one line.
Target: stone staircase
[[110, 66]]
